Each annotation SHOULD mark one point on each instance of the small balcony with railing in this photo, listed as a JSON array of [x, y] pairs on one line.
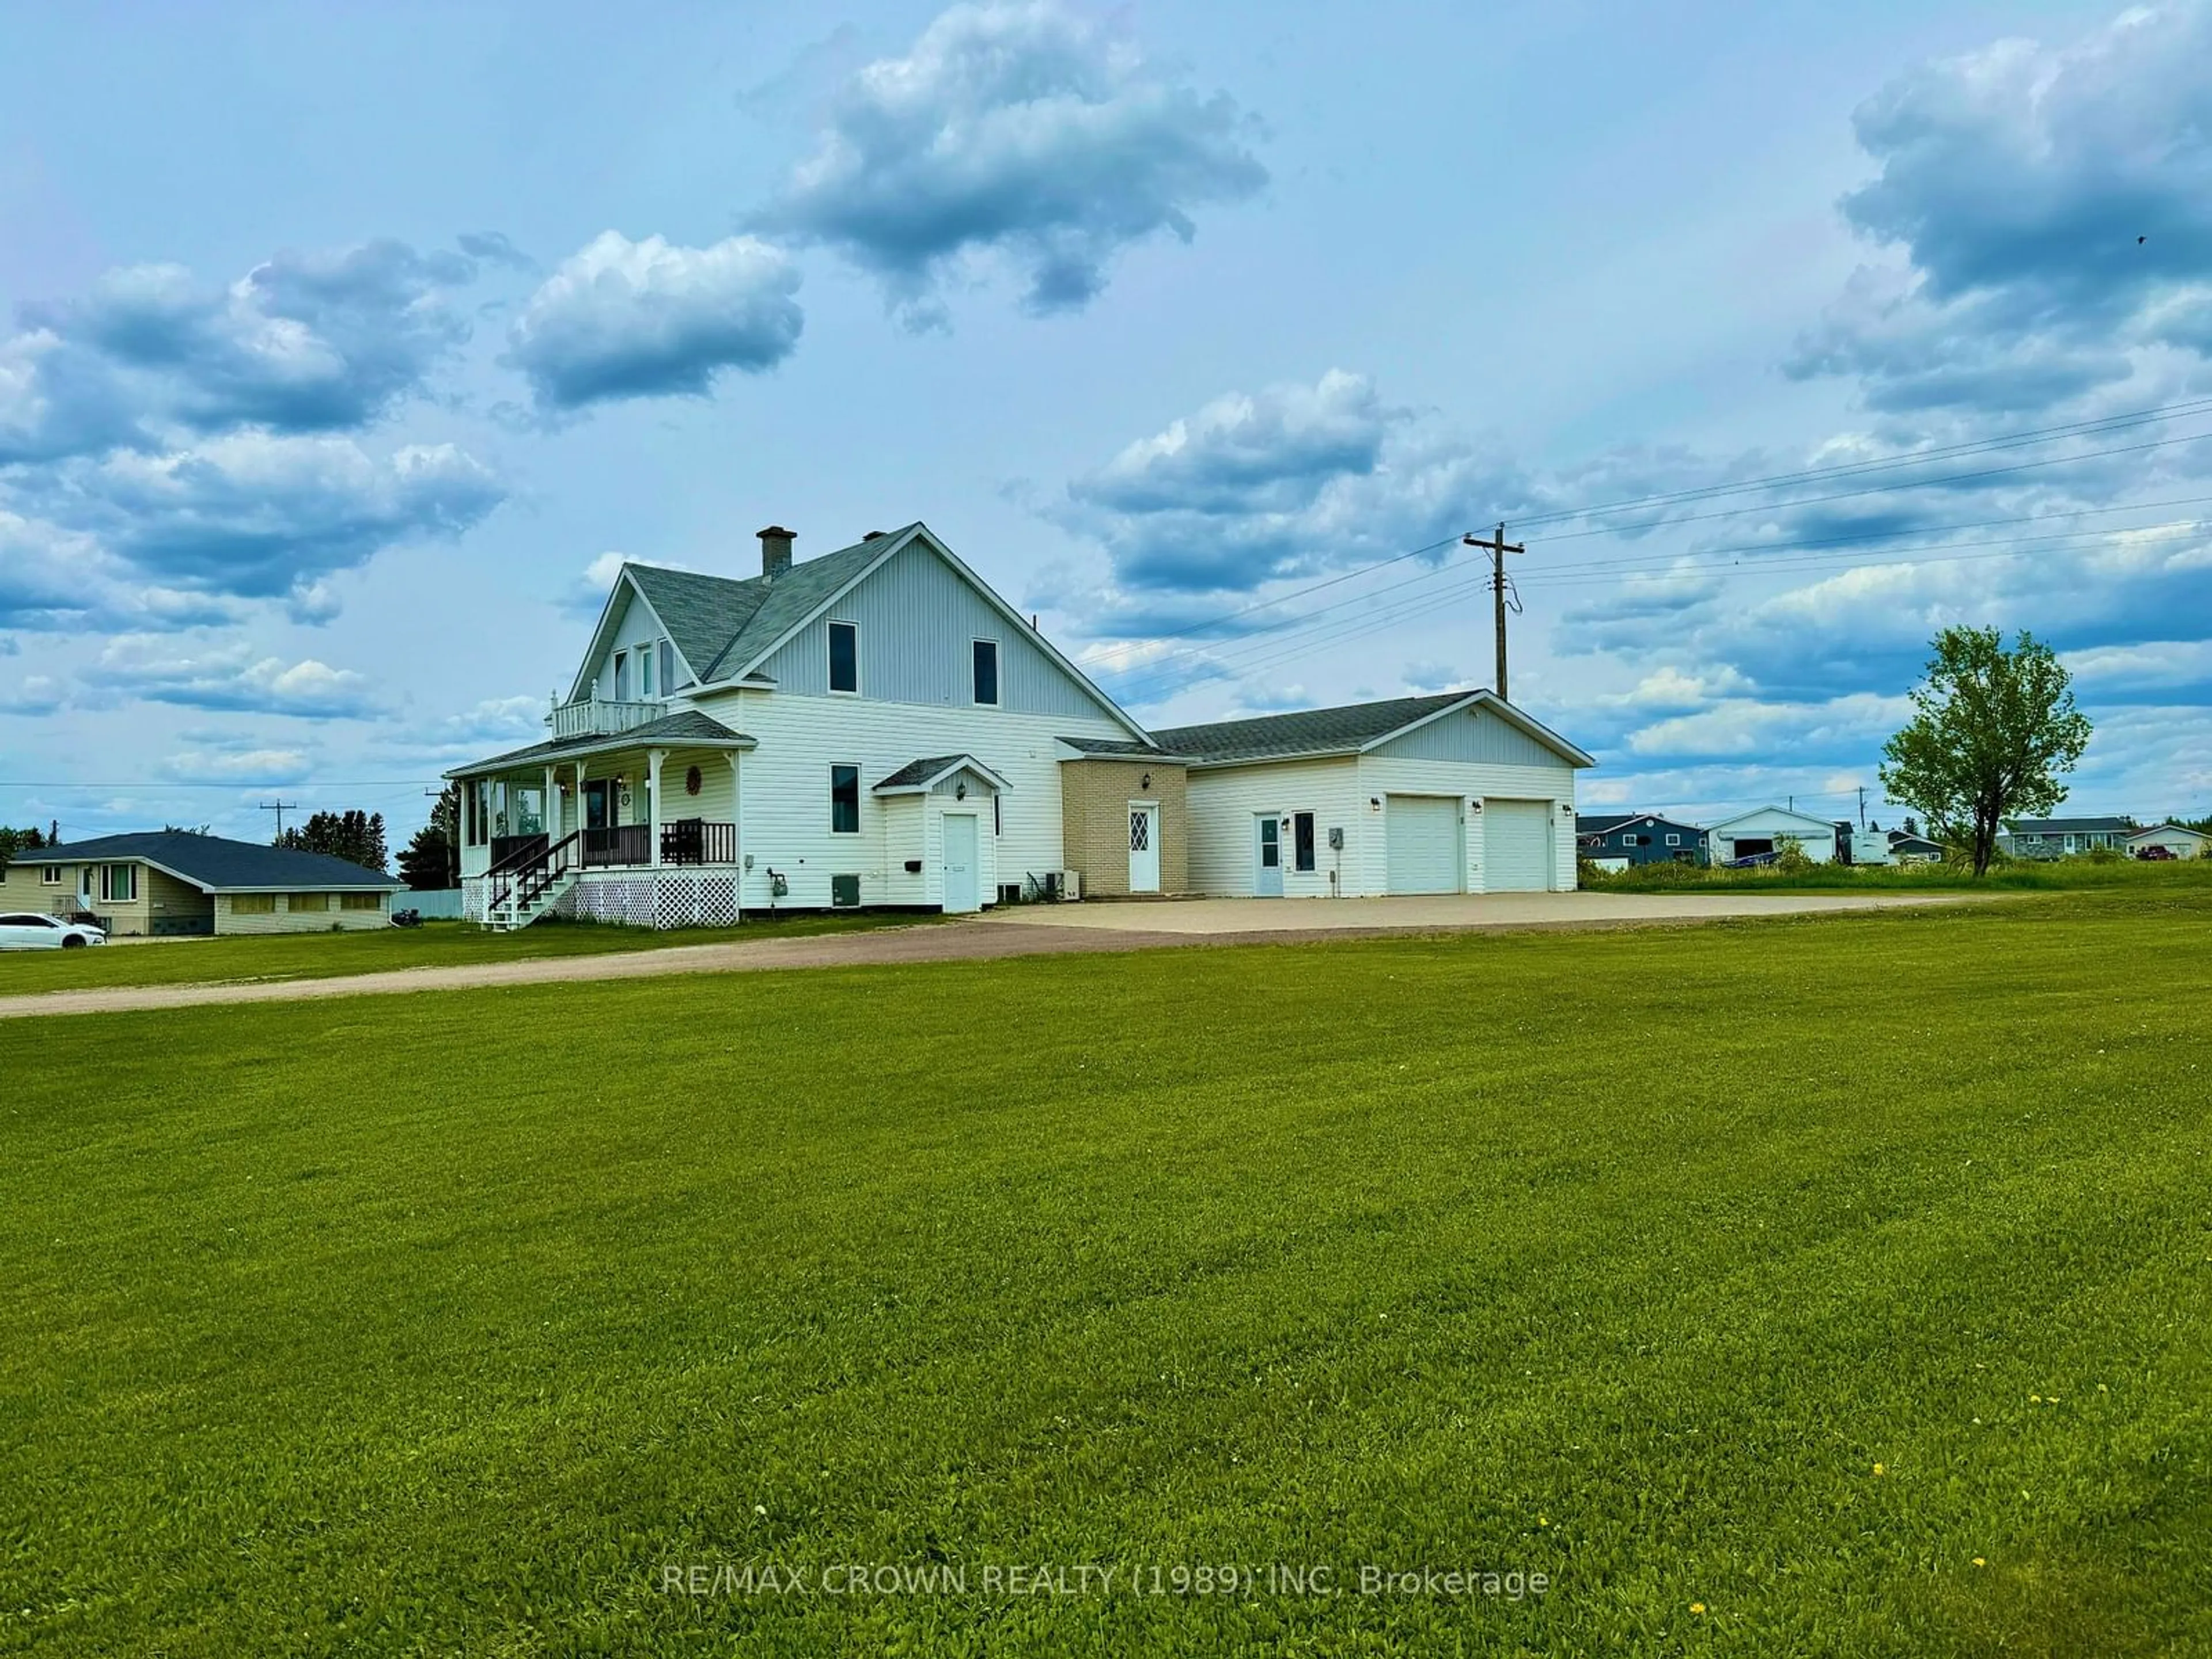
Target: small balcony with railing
[[594, 716]]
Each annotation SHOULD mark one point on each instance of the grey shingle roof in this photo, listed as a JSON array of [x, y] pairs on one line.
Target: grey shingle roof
[[919, 771], [1309, 732], [2068, 826], [670, 730], [1117, 747], [721, 623], [218, 865]]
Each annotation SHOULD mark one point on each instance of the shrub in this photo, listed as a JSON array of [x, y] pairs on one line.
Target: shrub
[[1789, 858]]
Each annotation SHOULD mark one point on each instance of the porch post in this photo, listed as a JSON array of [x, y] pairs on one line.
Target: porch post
[[738, 827], [580, 810], [652, 759], [551, 815]]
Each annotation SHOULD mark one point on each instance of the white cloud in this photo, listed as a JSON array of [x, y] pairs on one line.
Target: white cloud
[[621, 320]]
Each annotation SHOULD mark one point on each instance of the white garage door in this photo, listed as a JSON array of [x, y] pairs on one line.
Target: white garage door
[[1516, 846], [1422, 834]]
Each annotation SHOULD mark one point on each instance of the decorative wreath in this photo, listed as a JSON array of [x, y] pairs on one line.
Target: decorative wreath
[[691, 780]]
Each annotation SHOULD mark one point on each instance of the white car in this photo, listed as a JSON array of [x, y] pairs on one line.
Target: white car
[[26, 931]]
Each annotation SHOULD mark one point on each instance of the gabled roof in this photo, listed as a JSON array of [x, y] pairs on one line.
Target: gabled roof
[[217, 865], [918, 777], [1349, 729], [726, 627], [1825, 825], [2068, 826], [688, 730], [2169, 828]]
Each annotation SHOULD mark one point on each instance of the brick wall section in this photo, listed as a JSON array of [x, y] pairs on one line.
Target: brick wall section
[[1094, 803]]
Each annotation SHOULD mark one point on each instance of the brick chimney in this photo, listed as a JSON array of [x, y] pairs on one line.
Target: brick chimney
[[776, 550]]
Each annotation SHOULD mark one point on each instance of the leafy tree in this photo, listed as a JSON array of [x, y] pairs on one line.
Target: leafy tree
[[185, 829], [1993, 733], [433, 858], [13, 841], [353, 835]]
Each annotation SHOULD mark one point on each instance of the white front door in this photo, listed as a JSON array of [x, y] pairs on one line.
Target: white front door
[[961, 888], [1266, 856], [1143, 847]]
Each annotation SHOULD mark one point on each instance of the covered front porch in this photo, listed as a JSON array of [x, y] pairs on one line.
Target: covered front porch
[[639, 827]]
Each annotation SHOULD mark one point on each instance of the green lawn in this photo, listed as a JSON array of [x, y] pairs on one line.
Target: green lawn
[[2012, 876], [434, 945], [1849, 1279]]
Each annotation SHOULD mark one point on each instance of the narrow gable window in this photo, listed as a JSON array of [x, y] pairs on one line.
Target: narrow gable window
[[845, 800], [845, 656], [621, 677], [986, 671]]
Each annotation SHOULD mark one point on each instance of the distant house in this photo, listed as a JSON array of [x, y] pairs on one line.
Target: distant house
[[1914, 850], [1617, 840], [2182, 842], [2056, 838], [171, 882], [1764, 829]]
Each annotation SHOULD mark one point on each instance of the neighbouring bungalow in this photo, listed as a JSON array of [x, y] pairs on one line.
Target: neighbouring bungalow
[[2178, 840], [2058, 838], [1906, 848], [173, 882]]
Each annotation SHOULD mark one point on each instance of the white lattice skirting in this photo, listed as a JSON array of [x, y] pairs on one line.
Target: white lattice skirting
[[651, 898]]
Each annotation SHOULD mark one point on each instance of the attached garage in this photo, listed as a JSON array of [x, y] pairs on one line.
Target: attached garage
[[1516, 846], [1424, 843], [1380, 798]]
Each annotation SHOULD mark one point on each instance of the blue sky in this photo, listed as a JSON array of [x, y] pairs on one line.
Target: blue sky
[[341, 349]]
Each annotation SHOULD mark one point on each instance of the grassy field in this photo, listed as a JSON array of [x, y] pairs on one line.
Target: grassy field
[[434, 945], [2179, 876], [1837, 1286]]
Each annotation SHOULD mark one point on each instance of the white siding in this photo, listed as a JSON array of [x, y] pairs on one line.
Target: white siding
[[917, 621], [1772, 823], [1225, 800], [635, 627], [1381, 775], [1477, 735], [784, 791]]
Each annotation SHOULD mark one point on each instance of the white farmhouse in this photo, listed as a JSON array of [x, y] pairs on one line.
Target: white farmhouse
[[877, 727], [1764, 829]]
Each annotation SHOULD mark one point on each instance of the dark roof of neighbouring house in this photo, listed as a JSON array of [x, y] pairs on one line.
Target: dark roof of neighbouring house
[[1906, 838], [669, 731], [1604, 823], [217, 865], [2068, 826], [1118, 748]]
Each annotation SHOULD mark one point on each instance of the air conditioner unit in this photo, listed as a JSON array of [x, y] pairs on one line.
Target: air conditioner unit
[[1071, 886]]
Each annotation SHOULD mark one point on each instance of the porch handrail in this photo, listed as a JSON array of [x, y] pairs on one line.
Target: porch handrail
[[536, 870], [532, 848]]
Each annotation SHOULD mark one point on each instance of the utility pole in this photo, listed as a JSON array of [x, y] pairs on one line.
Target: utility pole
[[1862, 806], [1498, 547], [280, 807]]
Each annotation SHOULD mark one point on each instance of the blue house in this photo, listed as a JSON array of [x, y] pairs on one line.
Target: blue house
[[1638, 838]]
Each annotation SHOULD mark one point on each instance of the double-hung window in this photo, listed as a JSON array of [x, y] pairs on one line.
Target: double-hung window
[[845, 656], [845, 800]]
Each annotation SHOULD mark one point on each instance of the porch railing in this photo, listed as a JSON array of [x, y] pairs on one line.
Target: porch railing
[[622, 843], [510, 853], [694, 840], [599, 717]]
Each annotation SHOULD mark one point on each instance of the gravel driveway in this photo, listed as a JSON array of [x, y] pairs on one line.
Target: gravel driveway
[[1045, 931]]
